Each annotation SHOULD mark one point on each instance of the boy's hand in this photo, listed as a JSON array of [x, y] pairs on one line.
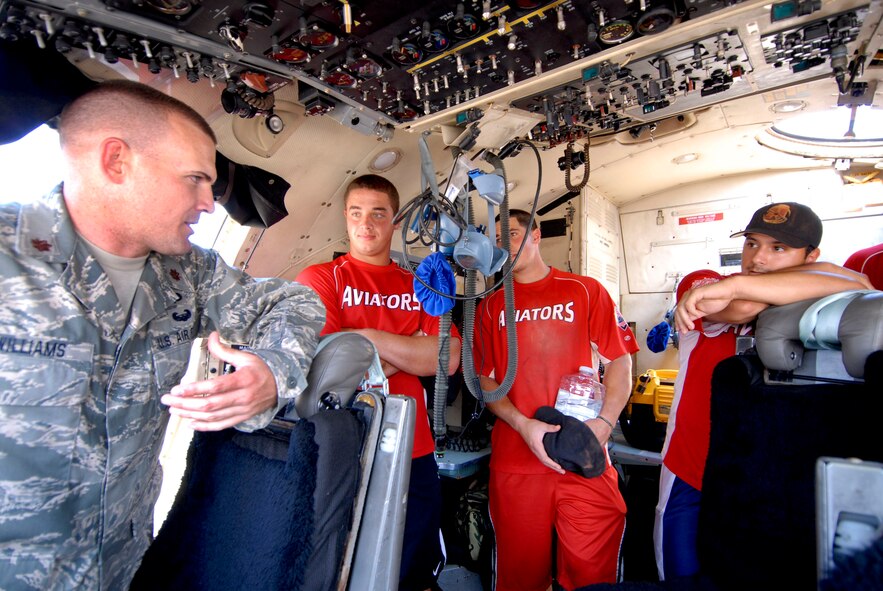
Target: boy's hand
[[533, 431], [702, 301]]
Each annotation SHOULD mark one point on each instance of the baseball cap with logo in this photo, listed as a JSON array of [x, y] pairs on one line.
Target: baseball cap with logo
[[791, 223]]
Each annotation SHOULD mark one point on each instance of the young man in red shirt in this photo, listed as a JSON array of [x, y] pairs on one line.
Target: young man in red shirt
[[778, 267], [563, 321], [364, 291]]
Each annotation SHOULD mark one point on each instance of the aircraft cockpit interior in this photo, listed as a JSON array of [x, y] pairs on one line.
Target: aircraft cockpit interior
[[639, 135]]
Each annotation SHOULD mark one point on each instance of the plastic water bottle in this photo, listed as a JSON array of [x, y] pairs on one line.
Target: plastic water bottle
[[580, 395]]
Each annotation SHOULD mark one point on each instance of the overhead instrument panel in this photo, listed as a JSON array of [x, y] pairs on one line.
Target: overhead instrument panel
[[610, 96], [402, 61], [802, 48], [447, 54], [799, 49]]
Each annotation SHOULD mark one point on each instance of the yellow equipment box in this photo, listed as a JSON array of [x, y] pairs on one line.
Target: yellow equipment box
[[645, 417]]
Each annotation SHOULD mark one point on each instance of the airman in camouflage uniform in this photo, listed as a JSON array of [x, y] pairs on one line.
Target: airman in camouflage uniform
[[85, 383]]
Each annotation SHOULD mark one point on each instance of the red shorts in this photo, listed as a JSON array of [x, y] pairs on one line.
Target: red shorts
[[588, 515]]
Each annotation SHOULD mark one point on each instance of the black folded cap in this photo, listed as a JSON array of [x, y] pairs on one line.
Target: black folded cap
[[574, 446]]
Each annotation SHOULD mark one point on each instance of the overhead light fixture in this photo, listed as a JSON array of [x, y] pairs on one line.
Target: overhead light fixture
[[791, 106], [385, 160], [684, 158], [275, 123]]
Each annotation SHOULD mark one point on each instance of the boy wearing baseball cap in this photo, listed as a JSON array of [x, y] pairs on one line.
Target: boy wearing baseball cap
[[778, 267]]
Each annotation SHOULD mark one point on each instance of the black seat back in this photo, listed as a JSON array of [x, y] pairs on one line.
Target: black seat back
[[757, 517]]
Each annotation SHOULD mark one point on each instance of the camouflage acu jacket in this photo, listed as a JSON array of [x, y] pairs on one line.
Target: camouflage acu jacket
[[81, 424]]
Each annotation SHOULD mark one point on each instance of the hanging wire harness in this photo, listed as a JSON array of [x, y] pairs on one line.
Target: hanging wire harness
[[568, 160], [443, 223]]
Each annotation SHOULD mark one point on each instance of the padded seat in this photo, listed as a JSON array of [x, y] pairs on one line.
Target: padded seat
[[772, 417], [310, 504], [245, 516], [757, 520]]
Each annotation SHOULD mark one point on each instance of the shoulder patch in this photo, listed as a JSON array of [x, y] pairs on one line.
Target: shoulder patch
[[621, 321]]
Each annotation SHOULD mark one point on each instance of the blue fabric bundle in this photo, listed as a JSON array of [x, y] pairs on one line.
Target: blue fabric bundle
[[657, 338], [436, 272]]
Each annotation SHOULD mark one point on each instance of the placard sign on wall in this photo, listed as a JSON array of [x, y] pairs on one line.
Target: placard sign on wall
[[701, 218]]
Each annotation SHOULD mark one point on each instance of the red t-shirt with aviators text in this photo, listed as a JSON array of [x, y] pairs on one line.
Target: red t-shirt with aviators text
[[361, 295]]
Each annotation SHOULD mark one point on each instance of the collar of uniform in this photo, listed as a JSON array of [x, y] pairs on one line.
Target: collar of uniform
[[45, 230], [162, 287], [542, 283], [170, 275]]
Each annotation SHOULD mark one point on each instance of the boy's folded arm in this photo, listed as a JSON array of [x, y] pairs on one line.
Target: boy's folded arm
[[749, 295]]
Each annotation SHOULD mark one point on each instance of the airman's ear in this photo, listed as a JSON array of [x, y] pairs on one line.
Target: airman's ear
[[811, 257], [115, 156]]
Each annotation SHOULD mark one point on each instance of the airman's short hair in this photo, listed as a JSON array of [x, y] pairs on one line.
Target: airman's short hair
[[131, 107]]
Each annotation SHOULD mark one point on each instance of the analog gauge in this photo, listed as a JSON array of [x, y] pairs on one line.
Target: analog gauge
[[404, 113], [340, 79], [655, 21], [255, 81], [319, 39], [291, 55], [407, 54], [436, 41], [173, 7], [463, 28], [616, 32], [365, 67]]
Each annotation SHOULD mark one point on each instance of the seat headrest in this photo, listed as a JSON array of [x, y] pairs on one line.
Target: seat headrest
[[856, 316], [338, 370]]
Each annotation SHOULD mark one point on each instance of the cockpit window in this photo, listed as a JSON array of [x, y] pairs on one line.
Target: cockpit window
[[838, 133], [31, 166], [835, 125]]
